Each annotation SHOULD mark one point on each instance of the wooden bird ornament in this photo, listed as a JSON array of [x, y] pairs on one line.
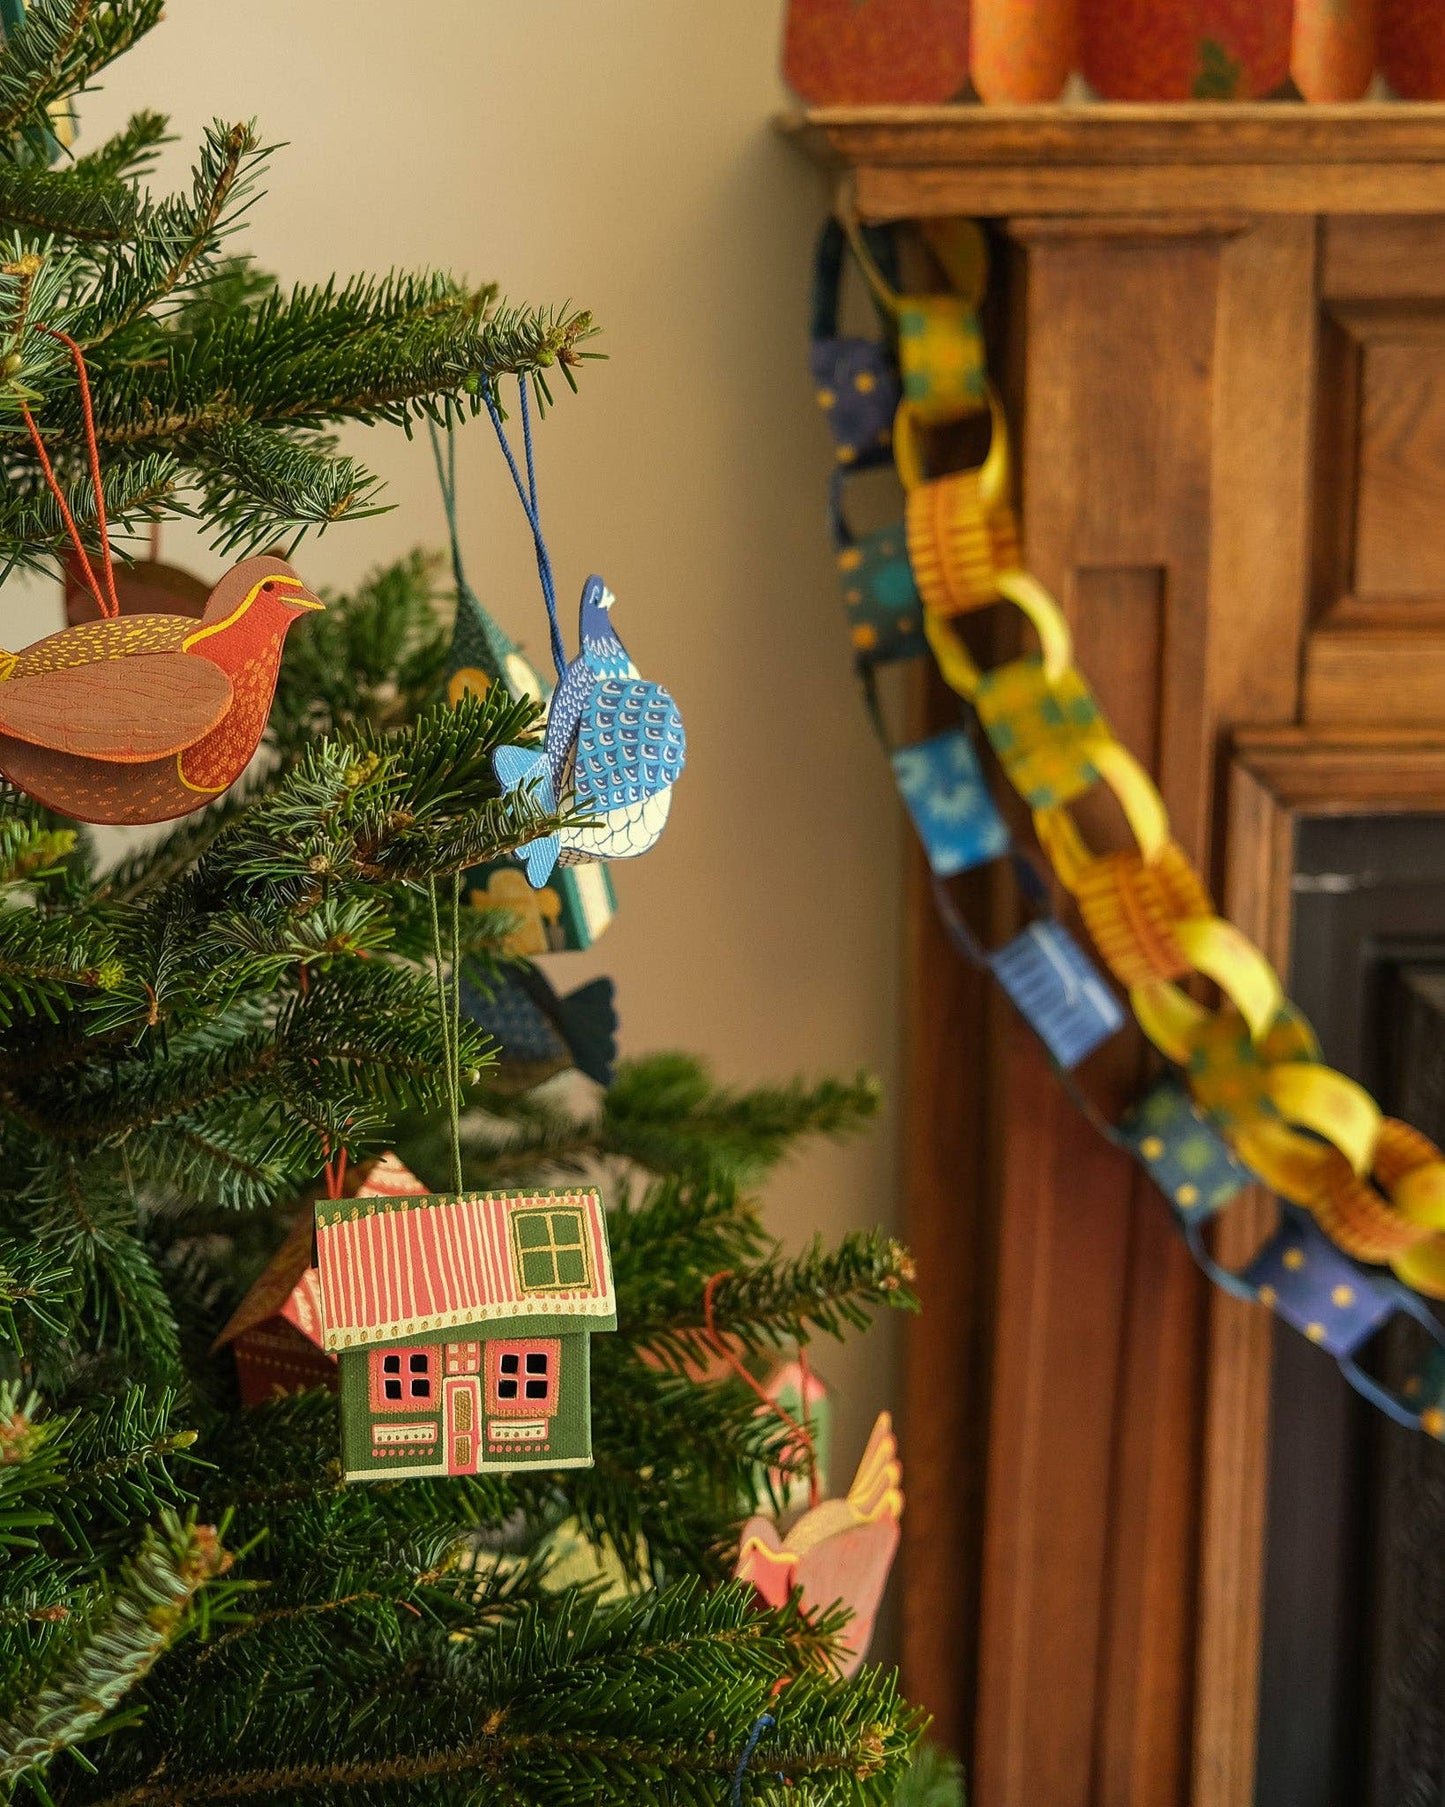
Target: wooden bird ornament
[[142, 718], [839, 1552]]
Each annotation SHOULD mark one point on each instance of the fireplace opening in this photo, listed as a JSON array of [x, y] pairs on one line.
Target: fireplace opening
[[1352, 1691]]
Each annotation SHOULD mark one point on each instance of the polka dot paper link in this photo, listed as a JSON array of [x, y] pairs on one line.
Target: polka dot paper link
[[1253, 1102]]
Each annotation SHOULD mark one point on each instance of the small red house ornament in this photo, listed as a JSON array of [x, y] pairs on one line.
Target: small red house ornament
[[275, 1333]]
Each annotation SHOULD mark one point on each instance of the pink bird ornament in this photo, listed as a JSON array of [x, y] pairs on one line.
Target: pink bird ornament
[[839, 1552]]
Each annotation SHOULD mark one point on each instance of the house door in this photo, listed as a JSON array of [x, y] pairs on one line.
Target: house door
[[463, 1400]]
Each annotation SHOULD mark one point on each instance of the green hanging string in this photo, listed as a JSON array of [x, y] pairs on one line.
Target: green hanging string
[[450, 1013]]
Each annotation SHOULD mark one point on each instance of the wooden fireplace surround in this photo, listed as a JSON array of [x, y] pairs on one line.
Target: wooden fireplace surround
[[1223, 333]]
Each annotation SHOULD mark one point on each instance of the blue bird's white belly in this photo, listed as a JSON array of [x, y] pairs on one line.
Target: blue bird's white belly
[[620, 833]]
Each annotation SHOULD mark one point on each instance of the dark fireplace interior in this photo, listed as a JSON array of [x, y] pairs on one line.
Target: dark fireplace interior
[[1352, 1704]]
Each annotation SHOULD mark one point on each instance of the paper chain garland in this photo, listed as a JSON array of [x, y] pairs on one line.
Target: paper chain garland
[[1251, 1100]]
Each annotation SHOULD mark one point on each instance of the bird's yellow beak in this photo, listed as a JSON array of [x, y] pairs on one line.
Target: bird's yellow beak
[[298, 595]]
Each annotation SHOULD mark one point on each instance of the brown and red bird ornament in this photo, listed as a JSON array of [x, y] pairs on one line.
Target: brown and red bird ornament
[[135, 718], [141, 718]]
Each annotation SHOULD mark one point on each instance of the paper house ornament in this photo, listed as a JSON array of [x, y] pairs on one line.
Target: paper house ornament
[[1058, 991], [577, 902], [948, 798], [841, 1550], [462, 1327], [275, 1334], [569, 912], [1181, 1151]]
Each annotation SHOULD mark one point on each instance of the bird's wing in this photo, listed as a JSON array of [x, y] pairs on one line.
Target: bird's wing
[[94, 642], [630, 746], [124, 710]]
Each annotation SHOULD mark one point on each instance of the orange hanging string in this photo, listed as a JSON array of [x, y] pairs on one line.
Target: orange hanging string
[[334, 1170], [720, 1344], [64, 506], [107, 602]]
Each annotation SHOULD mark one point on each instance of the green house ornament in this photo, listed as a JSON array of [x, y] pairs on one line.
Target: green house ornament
[[462, 1329], [577, 902]]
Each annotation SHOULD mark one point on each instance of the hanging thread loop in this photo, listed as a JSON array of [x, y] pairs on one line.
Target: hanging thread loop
[[106, 601], [527, 495]]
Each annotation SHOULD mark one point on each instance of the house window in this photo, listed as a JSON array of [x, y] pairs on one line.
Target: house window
[[523, 1376], [403, 1380], [464, 1358], [551, 1250]]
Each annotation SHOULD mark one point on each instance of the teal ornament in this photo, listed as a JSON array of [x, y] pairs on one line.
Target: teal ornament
[[1058, 991], [1426, 1390], [1181, 1151], [948, 798], [885, 611]]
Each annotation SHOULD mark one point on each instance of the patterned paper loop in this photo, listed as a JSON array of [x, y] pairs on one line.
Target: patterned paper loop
[[1256, 1103], [1133, 909], [940, 355], [994, 474], [958, 543]]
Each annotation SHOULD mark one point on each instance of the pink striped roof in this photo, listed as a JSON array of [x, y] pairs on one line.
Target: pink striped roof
[[393, 1268]]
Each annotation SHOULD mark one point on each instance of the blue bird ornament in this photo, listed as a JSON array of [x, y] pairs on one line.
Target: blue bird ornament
[[614, 745]]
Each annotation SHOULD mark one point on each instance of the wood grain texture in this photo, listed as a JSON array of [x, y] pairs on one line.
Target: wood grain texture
[[1376, 665], [1088, 1561], [950, 1030], [1382, 257], [1263, 157], [126, 710]]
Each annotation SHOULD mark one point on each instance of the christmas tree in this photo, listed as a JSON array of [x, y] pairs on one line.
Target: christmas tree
[[194, 1606]]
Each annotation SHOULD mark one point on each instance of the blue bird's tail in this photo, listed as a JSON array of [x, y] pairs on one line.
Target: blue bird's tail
[[515, 768]]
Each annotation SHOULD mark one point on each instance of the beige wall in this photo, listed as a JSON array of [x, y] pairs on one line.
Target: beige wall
[[617, 152]]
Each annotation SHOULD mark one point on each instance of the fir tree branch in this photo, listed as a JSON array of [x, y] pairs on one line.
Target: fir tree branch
[[180, 238], [148, 1612], [96, 209], [128, 152]]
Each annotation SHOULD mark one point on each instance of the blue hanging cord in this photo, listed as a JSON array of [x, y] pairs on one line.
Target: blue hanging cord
[[527, 495], [761, 1725]]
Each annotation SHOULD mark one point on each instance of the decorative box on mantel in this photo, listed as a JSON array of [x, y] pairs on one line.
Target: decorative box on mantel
[[1223, 341]]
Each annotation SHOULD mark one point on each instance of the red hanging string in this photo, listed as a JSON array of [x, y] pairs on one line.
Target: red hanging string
[[334, 1171], [800, 1431], [107, 602]]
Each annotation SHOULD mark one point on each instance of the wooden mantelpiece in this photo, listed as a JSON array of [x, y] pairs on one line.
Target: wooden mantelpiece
[[1221, 340], [909, 162]]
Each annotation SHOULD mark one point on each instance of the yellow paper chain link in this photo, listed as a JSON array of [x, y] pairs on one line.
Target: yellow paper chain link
[[1311, 1134]]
